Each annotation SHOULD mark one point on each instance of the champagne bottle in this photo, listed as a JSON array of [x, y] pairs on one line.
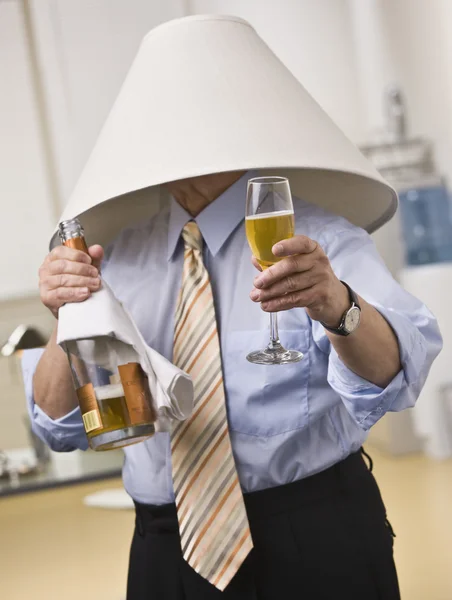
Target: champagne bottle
[[111, 386]]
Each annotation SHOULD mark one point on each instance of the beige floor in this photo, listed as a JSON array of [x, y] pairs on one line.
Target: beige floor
[[53, 548], [418, 497]]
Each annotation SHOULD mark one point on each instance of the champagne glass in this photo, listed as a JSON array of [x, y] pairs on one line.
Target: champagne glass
[[269, 219]]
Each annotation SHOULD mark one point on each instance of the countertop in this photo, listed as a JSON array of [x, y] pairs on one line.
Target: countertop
[[63, 469], [48, 479]]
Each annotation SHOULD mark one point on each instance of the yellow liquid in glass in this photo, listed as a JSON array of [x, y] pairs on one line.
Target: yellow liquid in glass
[[264, 231], [112, 408], [113, 412]]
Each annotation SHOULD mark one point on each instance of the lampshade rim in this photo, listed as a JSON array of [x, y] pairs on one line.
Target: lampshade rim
[[204, 17]]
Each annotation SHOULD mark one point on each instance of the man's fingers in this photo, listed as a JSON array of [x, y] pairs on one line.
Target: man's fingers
[[69, 275], [284, 268], [56, 298], [64, 253], [255, 263], [69, 267], [53, 282], [299, 244], [288, 285], [303, 298]]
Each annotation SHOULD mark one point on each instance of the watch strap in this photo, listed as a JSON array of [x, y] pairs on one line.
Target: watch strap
[[353, 296]]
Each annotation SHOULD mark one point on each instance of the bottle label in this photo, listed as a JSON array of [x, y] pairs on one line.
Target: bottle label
[[91, 421], [89, 408], [137, 394]]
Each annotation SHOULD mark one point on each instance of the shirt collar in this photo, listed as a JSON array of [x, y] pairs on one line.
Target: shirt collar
[[216, 222]]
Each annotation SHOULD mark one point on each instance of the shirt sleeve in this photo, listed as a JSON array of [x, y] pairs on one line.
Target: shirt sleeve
[[355, 260], [62, 435]]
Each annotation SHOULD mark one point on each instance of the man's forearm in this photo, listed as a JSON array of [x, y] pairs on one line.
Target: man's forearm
[[372, 351], [52, 382]]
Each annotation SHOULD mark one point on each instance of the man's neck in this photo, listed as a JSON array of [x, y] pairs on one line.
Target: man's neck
[[196, 193]]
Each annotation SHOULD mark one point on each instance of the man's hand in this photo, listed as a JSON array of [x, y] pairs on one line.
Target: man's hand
[[303, 278], [69, 275]]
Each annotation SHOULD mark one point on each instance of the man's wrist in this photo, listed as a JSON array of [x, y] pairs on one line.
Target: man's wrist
[[332, 316]]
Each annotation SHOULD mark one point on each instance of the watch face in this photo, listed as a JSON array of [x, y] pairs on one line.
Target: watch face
[[352, 319]]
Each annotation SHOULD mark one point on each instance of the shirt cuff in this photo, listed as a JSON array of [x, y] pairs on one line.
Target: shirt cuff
[[63, 434], [367, 402]]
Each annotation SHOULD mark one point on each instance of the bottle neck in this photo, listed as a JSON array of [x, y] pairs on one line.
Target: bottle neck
[[72, 235]]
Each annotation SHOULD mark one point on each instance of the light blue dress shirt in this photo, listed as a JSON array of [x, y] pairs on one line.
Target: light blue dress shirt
[[286, 422]]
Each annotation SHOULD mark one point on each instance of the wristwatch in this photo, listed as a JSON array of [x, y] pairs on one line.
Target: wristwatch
[[351, 317]]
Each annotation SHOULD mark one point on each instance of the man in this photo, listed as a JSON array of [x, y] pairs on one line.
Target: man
[[308, 520]]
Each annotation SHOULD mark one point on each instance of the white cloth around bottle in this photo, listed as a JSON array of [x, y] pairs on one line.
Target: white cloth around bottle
[[103, 315]]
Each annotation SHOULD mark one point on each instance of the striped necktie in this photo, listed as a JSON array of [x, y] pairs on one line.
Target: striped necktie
[[215, 535]]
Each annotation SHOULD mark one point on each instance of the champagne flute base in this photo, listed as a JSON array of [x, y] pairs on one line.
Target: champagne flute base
[[275, 354]]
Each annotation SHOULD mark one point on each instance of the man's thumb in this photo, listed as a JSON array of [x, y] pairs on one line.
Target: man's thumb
[[97, 254]]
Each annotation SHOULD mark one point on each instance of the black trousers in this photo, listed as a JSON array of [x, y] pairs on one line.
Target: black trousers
[[322, 538]]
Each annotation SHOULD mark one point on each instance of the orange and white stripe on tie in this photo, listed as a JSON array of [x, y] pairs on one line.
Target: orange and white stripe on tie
[[213, 525]]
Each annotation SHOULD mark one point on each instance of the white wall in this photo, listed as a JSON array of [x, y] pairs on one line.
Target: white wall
[[314, 39], [25, 195], [419, 37], [85, 49], [408, 42], [374, 64], [375, 71]]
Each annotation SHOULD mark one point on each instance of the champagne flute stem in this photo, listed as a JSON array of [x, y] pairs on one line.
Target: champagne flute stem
[[274, 335]]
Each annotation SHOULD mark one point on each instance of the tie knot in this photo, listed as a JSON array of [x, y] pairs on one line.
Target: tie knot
[[192, 236]]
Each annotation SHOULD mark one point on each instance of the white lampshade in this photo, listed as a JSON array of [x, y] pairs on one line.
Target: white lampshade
[[205, 94]]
